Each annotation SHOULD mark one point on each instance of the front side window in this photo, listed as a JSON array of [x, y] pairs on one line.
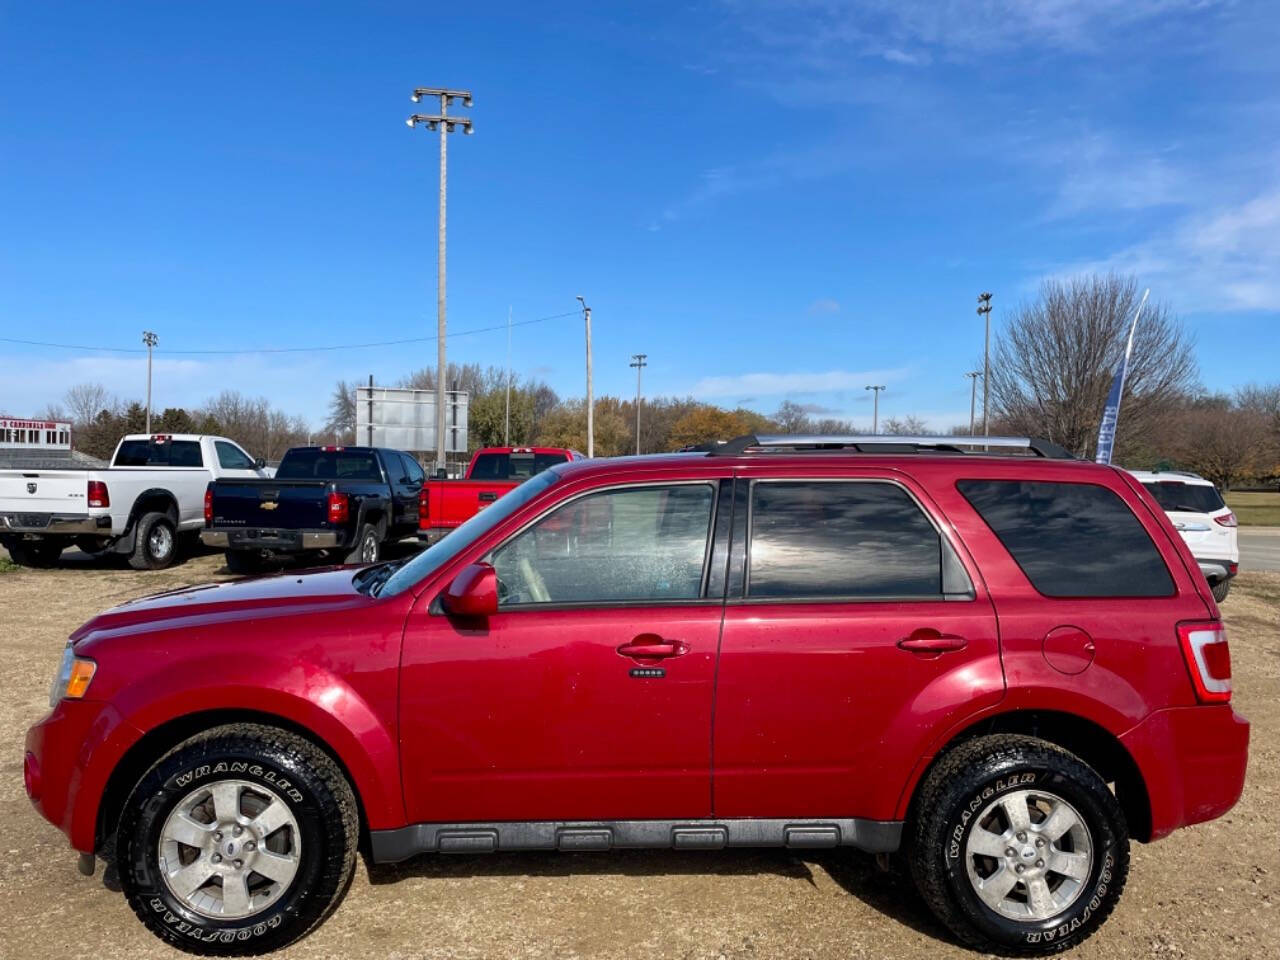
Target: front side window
[[855, 540], [1071, 539], [231, 457], [635, 544]]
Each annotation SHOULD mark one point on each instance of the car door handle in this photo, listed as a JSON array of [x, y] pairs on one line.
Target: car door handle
[[650, 646], [487, 497], [929, 641]]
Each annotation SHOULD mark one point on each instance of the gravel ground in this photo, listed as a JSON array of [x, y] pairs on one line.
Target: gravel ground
[[1208, 892]]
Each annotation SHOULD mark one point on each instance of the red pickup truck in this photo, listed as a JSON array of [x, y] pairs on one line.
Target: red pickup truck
[[445, 505]]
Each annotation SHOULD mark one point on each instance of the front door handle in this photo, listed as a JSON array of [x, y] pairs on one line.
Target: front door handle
[[650, 646], [926, 640], [487, 496]]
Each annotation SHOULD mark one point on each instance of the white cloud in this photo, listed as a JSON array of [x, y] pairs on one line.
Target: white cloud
[[798, 383], [824, 306]]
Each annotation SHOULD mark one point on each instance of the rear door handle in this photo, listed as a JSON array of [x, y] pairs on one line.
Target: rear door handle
[[650, 646], [929, 641]]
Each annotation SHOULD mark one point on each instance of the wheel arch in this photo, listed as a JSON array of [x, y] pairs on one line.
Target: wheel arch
[[1091, 742], [159, 740], [156, 499]]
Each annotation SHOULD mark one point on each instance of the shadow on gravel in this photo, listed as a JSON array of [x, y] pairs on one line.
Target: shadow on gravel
[[890, 893]]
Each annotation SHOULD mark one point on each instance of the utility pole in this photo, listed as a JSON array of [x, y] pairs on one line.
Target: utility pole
[[150, 339], [446, 125], [506, 433], [591, 433], [984, 311], [875, 416], [973, 393], [638, 361]]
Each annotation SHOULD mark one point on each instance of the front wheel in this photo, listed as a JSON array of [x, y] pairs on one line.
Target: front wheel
[[239, 841], [1018, 846]]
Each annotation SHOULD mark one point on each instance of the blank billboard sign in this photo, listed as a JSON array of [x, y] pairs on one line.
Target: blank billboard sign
[[405, 419]]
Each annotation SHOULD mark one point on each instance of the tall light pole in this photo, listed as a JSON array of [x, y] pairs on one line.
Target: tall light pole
[[638, 361], [984, 311], [875, 415], [973, 375], [506, 434], [150, 339], [446, 125], [591, 431]]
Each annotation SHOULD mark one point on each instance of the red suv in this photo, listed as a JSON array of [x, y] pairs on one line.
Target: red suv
[[1004, 668]]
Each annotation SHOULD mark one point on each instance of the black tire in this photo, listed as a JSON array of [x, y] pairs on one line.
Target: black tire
[[245, 562], [953, 799], [156, 544], [1221, 589], [35, 553], [314, 792], [367, 547]]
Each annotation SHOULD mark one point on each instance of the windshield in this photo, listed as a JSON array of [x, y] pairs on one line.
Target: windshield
[[444, 550], [1178, 497]]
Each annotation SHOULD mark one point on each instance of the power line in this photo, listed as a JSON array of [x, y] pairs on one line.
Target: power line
[[266, 350]]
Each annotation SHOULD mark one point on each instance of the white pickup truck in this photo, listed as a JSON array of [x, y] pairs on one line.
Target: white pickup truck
[[152, 492]]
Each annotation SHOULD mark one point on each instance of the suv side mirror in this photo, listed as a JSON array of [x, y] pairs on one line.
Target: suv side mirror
[[473, 592], [441, 474], [260, 463]]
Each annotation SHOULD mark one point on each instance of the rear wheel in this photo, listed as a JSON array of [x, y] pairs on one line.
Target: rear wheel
[[35, 553], [368, 545], [1220, 590], [239, 841], [1018, 846], [156, 543]]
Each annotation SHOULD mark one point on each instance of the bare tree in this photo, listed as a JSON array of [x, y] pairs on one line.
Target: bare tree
[[1051, 370], [341, 425], [908, 426], [85, 401]]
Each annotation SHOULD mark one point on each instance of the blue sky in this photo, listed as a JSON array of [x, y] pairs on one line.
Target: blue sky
[[773, 199]]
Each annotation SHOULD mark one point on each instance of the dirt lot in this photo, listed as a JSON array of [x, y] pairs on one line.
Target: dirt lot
[[1211, 891]]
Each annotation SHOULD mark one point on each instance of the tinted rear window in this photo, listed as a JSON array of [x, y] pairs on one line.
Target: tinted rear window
[[513, 466], [170, 453], [1071, 539], [1174, 496], [841, 540], [329, 465]]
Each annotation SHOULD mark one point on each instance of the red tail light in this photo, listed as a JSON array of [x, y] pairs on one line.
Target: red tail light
[[424, 510], [1227, 520], [339, 508], [97, 494], [208, 506], [1204, 647]]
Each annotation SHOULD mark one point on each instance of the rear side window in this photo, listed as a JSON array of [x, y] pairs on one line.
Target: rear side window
[[1176, 496], [1071, 539], [840, 539]]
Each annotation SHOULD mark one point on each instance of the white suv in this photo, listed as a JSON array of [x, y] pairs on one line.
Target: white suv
[[1205, 522]]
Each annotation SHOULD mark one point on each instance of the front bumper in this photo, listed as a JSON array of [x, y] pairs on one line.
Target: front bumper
[[265, 538], [69, 756], [1193, 760], [55, 523]]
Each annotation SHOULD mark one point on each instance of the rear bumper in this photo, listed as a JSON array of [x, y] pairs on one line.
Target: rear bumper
[[1215, 571], [1193, 760], [55, 523], [69, 756], [282, 541]]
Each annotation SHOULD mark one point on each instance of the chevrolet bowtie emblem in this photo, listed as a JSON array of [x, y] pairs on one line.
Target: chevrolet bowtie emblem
[[268, 505]]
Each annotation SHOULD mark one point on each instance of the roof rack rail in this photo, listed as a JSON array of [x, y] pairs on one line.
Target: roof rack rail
[[879, 443]]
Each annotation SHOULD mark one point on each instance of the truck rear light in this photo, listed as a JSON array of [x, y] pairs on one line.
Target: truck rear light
[[424, 510], [339, 508], [208, 506], [97, 494], [1226, 520], [1204, 647]]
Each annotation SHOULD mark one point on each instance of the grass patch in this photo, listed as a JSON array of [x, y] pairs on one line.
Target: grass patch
[[1255, 509], [7, 565]]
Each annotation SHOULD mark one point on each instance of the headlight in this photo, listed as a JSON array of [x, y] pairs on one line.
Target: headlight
[[73, 677]]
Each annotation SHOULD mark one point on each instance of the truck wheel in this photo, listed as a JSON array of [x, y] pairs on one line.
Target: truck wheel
[[238, 841], [245, 561], [156, 543], [1017, 846], [1221, 589], [35, 553], [368, 546]]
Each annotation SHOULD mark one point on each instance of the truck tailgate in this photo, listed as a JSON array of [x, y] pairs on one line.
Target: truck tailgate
[[286, 504], [450, 503], [43, 491]]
